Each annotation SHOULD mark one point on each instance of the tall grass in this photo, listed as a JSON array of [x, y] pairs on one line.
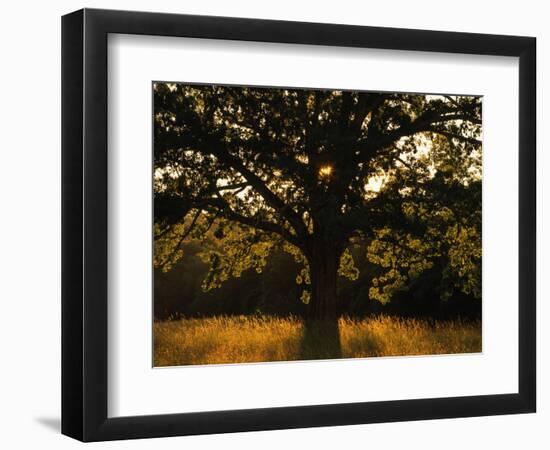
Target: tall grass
[[239, 339]]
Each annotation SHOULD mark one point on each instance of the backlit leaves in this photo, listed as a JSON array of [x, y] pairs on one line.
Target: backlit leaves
[[247, 170]]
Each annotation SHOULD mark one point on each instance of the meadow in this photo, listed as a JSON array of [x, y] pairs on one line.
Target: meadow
[[245, 339]]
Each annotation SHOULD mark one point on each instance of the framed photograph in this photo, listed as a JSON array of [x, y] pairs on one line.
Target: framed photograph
[[273, 224]]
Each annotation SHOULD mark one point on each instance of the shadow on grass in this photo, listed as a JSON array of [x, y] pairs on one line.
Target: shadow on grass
[[321, 340]]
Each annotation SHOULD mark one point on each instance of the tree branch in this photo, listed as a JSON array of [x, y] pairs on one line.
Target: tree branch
[[269, 227], [181, 239], [259, 185], [422, 124], [459, 137]]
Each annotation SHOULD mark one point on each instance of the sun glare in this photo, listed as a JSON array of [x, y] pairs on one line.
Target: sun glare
[[325, 171]]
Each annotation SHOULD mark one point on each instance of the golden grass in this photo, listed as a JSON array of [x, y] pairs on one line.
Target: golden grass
[[240, 339]]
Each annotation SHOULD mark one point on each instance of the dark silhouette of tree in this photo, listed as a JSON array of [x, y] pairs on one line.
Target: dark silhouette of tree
[[313, 172]]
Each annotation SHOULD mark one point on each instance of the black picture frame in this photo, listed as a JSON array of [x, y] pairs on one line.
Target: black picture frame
[[84, 224]]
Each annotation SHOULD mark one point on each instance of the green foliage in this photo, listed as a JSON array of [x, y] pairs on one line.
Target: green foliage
[[347, 267], [235, 251], [465, 258], [404, 258], [168, 249]]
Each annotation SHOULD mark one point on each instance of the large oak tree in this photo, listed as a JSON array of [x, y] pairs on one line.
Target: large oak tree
[[314, 172]]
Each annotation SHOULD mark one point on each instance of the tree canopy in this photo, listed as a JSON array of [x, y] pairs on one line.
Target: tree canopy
[[314, 172]]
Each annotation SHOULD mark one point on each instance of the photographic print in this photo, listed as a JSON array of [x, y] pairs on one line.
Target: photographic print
[[305, 224]]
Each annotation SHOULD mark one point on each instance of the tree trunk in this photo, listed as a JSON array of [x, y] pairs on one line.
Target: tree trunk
[[323, 266]]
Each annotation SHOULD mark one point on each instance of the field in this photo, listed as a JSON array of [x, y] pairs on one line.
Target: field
[[241, 339]]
